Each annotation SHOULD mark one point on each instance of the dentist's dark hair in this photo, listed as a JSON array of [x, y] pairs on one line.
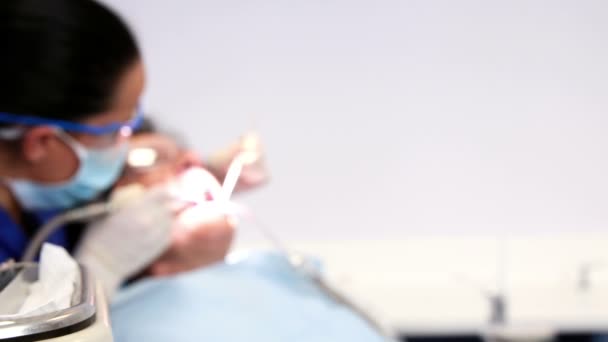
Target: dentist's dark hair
[[61, 59]]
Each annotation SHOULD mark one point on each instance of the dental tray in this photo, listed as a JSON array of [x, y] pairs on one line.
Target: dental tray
[[80, 315]]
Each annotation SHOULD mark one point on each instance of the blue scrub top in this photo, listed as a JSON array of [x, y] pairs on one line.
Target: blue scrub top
[[14, 239]]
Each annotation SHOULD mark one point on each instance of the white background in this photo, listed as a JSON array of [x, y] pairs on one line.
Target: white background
[[385, 119]]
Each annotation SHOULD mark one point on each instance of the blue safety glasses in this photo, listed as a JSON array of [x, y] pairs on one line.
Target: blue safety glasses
[[117, 128]]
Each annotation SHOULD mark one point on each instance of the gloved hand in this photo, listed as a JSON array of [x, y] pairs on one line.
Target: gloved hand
[[129, 239], [250, 150], [200, 244], [202, 234]]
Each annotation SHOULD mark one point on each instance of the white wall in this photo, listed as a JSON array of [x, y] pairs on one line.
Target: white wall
[[386, 118]]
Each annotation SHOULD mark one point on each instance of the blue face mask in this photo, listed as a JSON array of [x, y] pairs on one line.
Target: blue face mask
[[97, 172]]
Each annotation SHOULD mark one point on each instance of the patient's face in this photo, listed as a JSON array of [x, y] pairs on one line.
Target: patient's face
[[155, 158]]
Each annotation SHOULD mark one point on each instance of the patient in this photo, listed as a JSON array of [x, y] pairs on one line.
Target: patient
[[156, 158], [254, 297]]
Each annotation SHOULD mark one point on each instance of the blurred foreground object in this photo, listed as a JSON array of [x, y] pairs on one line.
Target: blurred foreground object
[[56, 300]]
